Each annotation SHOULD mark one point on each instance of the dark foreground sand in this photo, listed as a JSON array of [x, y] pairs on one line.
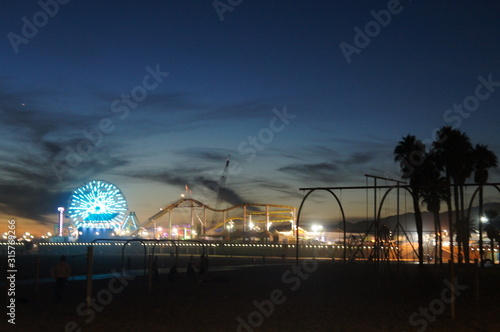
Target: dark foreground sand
[[316, 298]]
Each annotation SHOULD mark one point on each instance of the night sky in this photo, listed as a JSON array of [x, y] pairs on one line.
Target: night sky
[[153, 95]]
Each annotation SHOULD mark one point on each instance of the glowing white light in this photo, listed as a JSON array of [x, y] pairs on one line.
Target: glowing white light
[[316, 228], [98, 204], [61, 220]]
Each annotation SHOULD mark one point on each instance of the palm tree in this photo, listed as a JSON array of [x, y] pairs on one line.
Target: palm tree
[[441, 154], [435, 191], [469, 230], [464, 172], [410, 154], [493, 234], [454, 154], [484, 159]]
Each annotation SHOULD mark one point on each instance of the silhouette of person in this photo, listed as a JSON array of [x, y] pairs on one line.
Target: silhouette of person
[[60, 272], [156, 272], [190, 269], [172, 274]]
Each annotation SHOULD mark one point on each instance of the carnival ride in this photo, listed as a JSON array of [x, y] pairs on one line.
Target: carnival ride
[[243, 220], [97, 205]]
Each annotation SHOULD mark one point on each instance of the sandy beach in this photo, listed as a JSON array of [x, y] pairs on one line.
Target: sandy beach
[[271, 297]]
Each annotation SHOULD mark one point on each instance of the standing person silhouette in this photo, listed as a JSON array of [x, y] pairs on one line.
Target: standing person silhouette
[[60, 272], [190, 269]]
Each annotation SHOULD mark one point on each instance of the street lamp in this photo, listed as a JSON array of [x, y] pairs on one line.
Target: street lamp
[[61, 220]]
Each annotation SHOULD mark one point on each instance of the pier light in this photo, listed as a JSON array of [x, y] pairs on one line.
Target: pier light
[[316, 228]]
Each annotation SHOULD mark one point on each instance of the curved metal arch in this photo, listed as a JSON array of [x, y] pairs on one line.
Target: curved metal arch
[[155, 241], [384, 197], [379, 212], [298, 223], [472, 200], [142, 241], [123, 249], [474, 196]]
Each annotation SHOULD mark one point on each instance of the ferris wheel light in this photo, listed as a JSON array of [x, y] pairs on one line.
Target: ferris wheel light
[[98, 204]]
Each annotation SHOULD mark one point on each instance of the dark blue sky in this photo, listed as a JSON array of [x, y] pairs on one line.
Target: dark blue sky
[[339, 118]]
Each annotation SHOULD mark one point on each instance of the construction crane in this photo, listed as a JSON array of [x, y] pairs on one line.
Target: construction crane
[[222, 187]]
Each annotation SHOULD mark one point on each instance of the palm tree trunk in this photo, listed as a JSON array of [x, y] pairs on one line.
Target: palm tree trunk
[[418, 224], [465, 226], [436, 238], [457, 220], [481, 251], [439, 238], [492, 251], [450, 220]]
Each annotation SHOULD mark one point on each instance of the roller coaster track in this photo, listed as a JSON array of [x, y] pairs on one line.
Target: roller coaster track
[[194, 203]]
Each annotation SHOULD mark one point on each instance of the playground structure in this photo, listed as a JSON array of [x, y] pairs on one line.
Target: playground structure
[[386, 244]]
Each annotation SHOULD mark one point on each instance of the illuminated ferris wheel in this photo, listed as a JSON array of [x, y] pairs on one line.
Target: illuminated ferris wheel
[[97, 204]]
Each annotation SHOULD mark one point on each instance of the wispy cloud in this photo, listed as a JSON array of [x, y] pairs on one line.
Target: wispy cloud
[[156, 102], [323, 171], [204, 154], [33, 139], [337, 168], [29, 188], [279, 191], [204, 185], [358, 158], [239, 111]]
